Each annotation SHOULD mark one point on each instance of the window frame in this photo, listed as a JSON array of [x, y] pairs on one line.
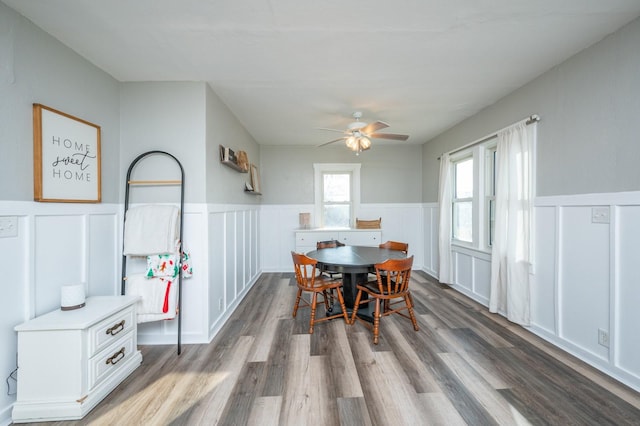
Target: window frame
[[483, 165], [490, 170], [321, 169], [465, 156]]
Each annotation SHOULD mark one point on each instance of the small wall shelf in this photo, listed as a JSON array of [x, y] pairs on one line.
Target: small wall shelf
[[234, 166], [229, 159]]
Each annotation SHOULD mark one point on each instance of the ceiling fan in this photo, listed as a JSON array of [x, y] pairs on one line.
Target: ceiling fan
[[358, 134]]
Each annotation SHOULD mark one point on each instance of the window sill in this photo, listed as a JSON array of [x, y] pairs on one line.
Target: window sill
[[470, 250]]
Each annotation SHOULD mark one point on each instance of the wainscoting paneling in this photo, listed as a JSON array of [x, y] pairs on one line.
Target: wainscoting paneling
[[400, 222], [583, 279], [277, 226], [430, 243], [625, 337], [60, 257], [543, 290], [194, 289], [217, 271], [482, 276], [103, 257], [56, 244], [230, 258], [239, 266], [463, 270], [472, 272], [234, 265], [60, 244], [594, 276]]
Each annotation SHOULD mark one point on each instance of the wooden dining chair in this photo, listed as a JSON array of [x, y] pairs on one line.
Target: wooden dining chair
[[395, 245], [310, 281], [389, 292], [329, 244]]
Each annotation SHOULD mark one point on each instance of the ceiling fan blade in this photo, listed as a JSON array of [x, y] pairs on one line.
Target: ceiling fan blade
[[331, 130], [392, 136], [335, 140], [373, 127]]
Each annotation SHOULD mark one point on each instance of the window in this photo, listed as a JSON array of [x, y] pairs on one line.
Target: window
[[463, 200], [336, 199], [337, 194], [474, 196]]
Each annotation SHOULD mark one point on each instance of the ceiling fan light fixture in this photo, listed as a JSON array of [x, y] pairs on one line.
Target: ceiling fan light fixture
[[358, 144], [352, 142], [365, 143], [359, 134], [356, 125]]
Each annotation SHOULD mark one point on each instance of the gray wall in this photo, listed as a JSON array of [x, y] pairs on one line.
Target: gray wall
[[225, 185], [169, 117], [588, 136], [389, 173], [35, 68], [188, 120]]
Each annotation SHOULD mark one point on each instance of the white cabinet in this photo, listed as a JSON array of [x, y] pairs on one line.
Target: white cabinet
[[68, 361], [306, 239], [361, 238]]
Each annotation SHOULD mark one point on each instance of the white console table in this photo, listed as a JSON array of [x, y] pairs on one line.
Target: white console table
[[306, 239], [68, 361]]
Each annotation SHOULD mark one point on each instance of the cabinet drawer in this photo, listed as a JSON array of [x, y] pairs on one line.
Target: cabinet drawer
[[109, 330], [361, 238], [311, 238], [110, 360]]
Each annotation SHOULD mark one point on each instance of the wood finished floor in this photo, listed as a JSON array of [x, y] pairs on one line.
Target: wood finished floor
[[464, 366]]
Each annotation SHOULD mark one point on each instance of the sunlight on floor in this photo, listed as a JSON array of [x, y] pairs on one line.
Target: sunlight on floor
[[153, 399]]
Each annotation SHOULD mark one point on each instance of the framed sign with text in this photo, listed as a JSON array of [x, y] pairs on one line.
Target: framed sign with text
[[66, 157]]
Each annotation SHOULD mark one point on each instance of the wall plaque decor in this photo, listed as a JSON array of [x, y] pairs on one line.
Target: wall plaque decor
[[255, 179], [66, 157]]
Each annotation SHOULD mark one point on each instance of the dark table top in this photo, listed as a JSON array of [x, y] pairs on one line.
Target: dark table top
[[353, 258]]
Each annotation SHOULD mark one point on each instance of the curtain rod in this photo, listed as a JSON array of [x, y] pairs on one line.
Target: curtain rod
[[534, 118]]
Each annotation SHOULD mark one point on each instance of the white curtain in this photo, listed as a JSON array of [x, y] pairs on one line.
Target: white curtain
[[511, 254], [444, 230]]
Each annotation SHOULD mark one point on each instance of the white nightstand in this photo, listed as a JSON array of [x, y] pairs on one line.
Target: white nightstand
[[68, 361]]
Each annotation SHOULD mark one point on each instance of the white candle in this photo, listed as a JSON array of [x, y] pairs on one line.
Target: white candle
[[72, 297]]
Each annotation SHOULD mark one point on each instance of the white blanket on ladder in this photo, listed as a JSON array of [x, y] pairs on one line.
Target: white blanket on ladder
[[158, 297], [151, 229]]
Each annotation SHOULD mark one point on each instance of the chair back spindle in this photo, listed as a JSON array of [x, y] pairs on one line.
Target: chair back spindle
[[389, 293], [309, 281]]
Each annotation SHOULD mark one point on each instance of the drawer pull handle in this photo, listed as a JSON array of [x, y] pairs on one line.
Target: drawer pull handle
[[115, 358], [116, 328]]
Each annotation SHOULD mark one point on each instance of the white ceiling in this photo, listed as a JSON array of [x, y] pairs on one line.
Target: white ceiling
[[287, 67]]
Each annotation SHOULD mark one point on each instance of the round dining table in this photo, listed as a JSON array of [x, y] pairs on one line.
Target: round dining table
[[354, 263]]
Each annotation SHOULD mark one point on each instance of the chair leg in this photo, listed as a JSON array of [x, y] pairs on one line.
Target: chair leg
[[355, 307], [376, 322], [331, 300], [314, 301], [409, 302], [343, 306], [295, 306], [325, 299]]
